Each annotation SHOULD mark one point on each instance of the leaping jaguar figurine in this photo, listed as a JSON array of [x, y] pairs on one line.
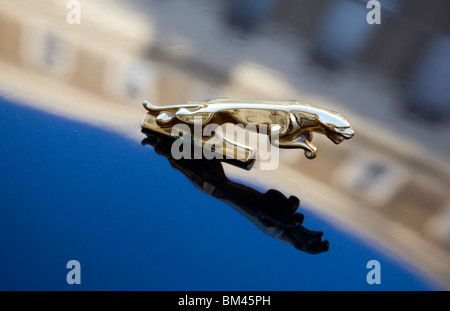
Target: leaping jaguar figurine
[[289, 123]]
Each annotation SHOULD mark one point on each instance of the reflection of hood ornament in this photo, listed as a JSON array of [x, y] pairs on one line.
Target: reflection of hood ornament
[[289, 124], [272, 212]]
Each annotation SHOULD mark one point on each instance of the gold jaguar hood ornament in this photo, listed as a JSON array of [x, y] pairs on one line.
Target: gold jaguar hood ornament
[[288, 123]]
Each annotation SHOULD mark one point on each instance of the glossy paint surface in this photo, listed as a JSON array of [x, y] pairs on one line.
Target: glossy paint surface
[[73, 191]]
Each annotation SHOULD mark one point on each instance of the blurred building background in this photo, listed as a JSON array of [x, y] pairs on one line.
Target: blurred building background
[[390, 183]]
